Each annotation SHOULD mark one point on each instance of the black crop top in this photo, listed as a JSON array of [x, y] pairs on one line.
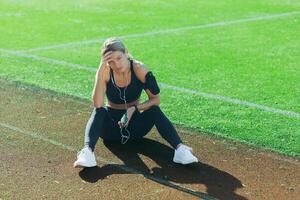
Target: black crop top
[[132, 92]]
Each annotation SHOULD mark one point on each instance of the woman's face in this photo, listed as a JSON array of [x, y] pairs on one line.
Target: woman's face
[[119, 61]]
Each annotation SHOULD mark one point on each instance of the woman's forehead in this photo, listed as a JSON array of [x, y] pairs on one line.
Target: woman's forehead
[[116, 54]]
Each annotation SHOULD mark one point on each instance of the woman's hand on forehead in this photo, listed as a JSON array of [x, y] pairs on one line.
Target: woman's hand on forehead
[[107, 57]]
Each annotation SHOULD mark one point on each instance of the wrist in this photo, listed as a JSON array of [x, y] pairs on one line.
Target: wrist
[[136, 108]]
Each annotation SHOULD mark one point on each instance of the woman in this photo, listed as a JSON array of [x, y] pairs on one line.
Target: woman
[[122, 79]]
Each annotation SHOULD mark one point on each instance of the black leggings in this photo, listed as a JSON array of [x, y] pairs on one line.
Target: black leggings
[[104, 123]]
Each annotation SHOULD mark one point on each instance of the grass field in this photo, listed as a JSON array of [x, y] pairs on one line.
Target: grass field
[[246, 52]]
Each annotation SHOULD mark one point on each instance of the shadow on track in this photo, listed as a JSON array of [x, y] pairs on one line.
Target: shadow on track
[[219, 184]]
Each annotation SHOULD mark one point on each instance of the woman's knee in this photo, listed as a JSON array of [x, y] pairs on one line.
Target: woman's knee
[[154, 111], [155, 108], [99, 112]]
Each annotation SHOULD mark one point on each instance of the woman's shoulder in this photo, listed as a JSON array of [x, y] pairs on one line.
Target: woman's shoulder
[[140, 70]]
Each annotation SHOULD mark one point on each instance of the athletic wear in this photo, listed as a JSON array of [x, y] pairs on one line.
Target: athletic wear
[[133, 90], [183, 155], [104, 123], [151, 83], [85, 158]]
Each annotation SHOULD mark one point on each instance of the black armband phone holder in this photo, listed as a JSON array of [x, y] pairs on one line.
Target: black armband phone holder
[[151, 83]]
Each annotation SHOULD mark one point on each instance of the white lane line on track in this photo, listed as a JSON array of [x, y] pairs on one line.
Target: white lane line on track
[[163, 85], [48, 60], [233, 101], [166, 31], [103, 160]]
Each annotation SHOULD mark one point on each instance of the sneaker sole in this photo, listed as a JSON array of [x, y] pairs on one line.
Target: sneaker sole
[[82, 165], [187, 162]]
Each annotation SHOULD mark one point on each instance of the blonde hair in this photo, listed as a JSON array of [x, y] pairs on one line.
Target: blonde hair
[[114, 44]]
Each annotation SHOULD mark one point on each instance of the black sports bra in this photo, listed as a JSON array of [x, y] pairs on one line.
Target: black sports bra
[[117, 94]]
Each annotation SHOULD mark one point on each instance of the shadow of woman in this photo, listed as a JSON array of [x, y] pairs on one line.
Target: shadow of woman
[[219, 184]]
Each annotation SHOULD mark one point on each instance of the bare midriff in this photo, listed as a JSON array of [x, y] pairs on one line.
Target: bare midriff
[[122, 106]]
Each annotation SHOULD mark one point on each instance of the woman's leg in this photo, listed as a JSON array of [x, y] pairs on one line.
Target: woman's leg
[[101, 125], [142, 123], [94, 126]]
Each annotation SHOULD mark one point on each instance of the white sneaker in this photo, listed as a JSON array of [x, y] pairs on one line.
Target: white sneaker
[[183, 155], [85, 158]]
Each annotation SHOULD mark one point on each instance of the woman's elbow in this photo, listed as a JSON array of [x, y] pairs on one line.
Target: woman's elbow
[[97, 103]]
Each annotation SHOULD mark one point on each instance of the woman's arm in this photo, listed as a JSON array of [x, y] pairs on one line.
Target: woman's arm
[[153, 94], [153, 99], [99, 87]]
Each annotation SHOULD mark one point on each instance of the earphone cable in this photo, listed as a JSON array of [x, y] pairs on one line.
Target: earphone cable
[[124, 137]]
